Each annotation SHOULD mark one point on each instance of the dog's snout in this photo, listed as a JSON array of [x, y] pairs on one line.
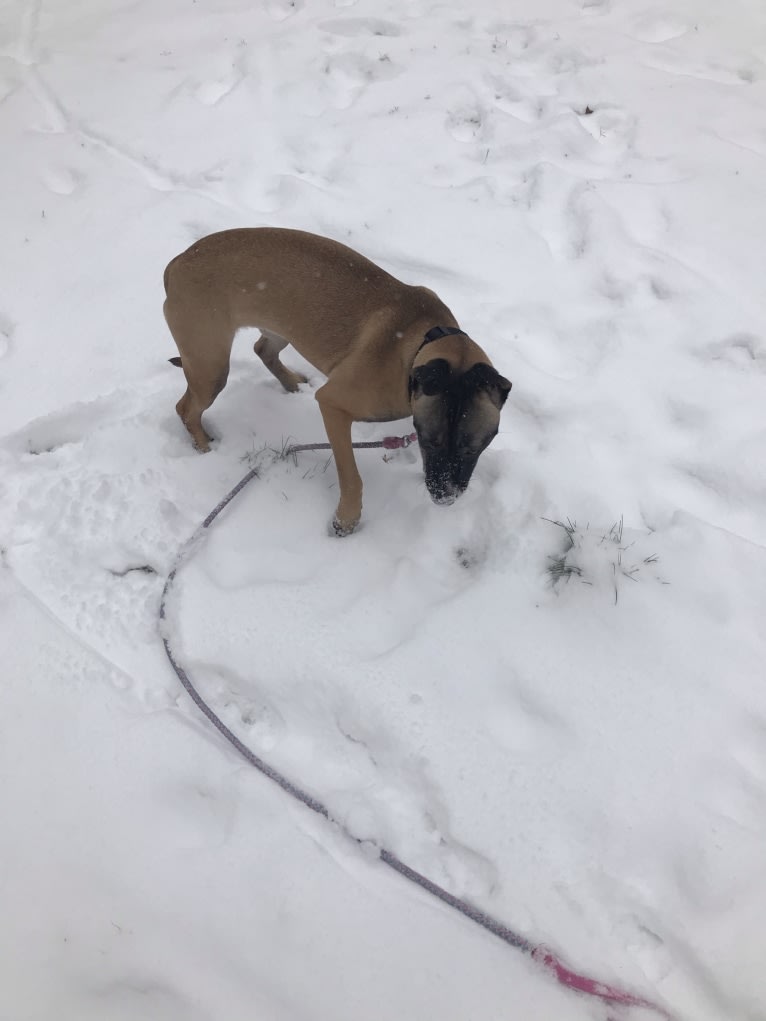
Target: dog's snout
[[445, 479], [445, 497]]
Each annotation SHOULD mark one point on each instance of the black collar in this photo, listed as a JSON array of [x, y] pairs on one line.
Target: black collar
[[437, 332]]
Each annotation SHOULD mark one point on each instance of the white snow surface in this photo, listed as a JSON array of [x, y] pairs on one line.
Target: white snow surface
[[582, 181]]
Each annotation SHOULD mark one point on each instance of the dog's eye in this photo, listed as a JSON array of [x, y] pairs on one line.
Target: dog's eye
[[471, 449]]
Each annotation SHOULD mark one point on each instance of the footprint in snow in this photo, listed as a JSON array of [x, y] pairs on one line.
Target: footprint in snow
[[468, 124], [7, 87], [508, 36], [240, 705], [61, 180], [280, 10], [646, 946], [211, 92], [749, 751], [72, 425], [7, 329], [652, 29], [349, 75], [360, 26], [522, 723], [609, 125], [732, 827], [740, 351], [596, 6], [509, 99]]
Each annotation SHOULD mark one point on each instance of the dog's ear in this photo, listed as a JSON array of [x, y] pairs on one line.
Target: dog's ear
[[486, 377], [430, 379]]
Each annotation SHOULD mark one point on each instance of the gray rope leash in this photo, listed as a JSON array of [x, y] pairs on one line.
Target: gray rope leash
[[538, 952]]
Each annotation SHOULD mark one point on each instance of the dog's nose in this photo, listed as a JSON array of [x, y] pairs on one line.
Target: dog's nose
[[443, 492]]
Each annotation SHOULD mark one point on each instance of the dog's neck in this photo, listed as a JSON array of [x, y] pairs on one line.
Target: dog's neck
[[451, 343], [437, 332]]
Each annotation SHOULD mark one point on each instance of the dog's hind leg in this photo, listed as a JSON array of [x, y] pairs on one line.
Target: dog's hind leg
[[205, 348], [268, 347]]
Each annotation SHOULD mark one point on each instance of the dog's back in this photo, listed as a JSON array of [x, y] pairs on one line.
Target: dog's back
[[313, 291]]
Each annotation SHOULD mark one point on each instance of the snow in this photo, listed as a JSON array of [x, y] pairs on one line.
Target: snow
[[582, 182]]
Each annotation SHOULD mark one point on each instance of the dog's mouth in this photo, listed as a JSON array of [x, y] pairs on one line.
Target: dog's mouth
[[443, 491]]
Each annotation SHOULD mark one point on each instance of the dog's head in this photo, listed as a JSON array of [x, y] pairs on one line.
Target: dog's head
[[456, 411]]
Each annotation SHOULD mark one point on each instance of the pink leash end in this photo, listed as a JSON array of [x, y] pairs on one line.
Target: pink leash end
[[591, 987], [397, 442]]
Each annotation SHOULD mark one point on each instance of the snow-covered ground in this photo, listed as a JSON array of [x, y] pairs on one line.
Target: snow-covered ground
[[582, 181]]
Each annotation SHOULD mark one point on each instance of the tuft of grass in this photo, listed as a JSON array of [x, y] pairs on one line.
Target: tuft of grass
[[569, 527], [266, 455], [558, 568], [575, 559]]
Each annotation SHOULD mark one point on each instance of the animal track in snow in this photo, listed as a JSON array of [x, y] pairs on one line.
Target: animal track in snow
[[72, 425], [57, 117], [360, 26], [204, 185], [593, 7], [468, 124], [203, 813], [743, 351], [749, 751], [280, 10], [395, 795], [681, 65], [240, 704], [7, 330], [511, 100], [509, 36], [522, 723], [350, 74], [610, 125], [214, 90], [22, 50], [7, 87], [61, 180], [719, 865], [653, 29], [740, 798]]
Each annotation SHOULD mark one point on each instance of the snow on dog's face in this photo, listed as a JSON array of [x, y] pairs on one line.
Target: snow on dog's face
[[456, 417]]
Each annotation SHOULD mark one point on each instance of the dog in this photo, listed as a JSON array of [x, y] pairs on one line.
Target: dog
[[388, 349]]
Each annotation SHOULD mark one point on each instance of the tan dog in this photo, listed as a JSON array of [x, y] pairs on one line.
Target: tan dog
[[388, 350]]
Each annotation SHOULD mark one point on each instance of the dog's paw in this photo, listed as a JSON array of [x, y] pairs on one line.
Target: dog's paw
[[204, 448], [340, 529], [292, 381]]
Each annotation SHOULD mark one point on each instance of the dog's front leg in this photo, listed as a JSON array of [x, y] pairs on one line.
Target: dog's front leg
[[337, 424]]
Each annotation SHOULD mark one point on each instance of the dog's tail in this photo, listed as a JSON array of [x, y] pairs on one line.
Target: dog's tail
[[175, 361]]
